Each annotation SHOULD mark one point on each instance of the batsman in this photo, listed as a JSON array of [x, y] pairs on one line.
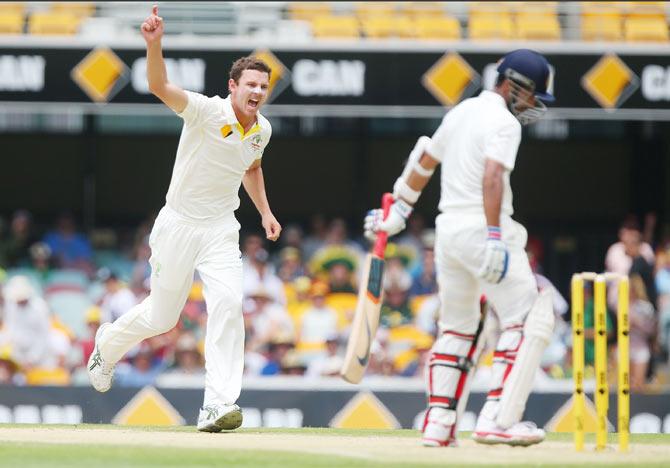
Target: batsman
[[480, 250]]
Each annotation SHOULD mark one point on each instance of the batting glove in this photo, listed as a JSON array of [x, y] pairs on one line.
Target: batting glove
[[392, 225], [496, 257]]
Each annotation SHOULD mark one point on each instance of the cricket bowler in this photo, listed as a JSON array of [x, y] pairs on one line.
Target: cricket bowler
[[480, 250], [221, 145]]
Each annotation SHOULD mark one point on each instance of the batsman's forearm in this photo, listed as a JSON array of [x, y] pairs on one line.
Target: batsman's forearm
[[254, 184], [418, 182], [493, 193], [156, 71]]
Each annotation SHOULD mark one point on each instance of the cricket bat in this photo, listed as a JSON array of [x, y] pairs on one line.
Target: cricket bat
[[368, 306]]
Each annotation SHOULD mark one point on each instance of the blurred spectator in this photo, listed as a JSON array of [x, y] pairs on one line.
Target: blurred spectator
[[118, 298], [412, 238], [27, 323], [589, 323], [188, 359], [266, 319], [642, 331], [319, 321], [290, 264], [328, 363], [640, 265], [9, 368], [428, 314], [259, 273], [317, 236], [87, 343], [41, 260], [291, 236], [141, 271], [396, 310], [14, 249], [425, 281], [381, 361], [337, 236], [70, 248], [277, 349], [616, 259], [335, 264], [292, 363], [254, 362], [620, 255], [340, 277], [141, 370], [298, 299], [252, 244]]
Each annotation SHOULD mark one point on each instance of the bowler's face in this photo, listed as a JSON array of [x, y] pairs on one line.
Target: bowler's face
[[249, 94]]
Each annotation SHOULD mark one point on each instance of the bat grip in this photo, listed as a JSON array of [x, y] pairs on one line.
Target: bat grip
[[382, 237]]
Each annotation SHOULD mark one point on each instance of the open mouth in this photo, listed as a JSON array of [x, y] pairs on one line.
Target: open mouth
[[253, 103]]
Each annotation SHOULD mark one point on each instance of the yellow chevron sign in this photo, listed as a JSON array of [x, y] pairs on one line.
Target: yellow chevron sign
[[365, 411], [148, 408]]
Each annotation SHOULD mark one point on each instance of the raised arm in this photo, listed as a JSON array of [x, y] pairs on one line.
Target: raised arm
[[172, 95], [254, 184]]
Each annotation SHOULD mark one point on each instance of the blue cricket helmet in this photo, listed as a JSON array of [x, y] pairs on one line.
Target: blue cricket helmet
[[533, 66]]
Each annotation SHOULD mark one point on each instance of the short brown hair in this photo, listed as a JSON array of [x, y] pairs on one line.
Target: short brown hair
[[248, 63]]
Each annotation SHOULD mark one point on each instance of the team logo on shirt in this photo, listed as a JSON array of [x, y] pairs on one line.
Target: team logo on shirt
[[256, 142]]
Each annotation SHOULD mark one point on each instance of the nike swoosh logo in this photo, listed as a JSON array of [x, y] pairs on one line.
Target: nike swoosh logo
[[363, 361]]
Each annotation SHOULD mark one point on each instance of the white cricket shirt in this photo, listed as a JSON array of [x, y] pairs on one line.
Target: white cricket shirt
[[477, 129], [212, 157]]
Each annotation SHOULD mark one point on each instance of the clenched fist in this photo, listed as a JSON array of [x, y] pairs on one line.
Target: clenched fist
[[152, 27]]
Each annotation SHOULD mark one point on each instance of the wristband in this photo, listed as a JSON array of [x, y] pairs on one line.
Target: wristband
[[494, 232]]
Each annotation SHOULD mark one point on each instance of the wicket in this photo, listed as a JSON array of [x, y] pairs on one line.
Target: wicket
[[600, 342]]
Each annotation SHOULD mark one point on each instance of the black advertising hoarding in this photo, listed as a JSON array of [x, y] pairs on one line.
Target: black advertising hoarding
[[280, 407], [331, 80]]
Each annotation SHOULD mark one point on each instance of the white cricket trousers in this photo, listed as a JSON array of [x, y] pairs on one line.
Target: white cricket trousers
[[459, 254], [179, 246]]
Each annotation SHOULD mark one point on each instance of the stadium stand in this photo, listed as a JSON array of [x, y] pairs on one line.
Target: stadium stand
[[11, 23], [53, 23], [303, 21]]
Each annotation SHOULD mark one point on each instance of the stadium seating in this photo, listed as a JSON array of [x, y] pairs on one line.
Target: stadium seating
[[437, 27], [649, 29], [66, 280], [387, 26], [53, 24], [70, 308], [538, 26], [12, 7], [647, 10], [422, 9], [79, 9], [370, 9], [11, 23], [335, 27], [491, 27], [601, 28], [308, 10]]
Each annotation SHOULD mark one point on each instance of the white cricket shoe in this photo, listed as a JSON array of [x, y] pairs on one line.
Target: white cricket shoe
[[215, 418], [100, 373], [522, 433], [438, 435]]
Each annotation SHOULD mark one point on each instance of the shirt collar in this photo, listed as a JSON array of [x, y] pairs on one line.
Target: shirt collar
[[234, 123], [494, 97]]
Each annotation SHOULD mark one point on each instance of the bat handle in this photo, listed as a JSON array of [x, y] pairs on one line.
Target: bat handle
[[382, 237]]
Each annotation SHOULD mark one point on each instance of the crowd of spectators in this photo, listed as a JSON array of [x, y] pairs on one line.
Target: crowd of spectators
[[299, 299]]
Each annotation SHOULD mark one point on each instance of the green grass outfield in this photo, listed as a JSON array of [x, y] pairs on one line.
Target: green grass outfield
[[92, 446]]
